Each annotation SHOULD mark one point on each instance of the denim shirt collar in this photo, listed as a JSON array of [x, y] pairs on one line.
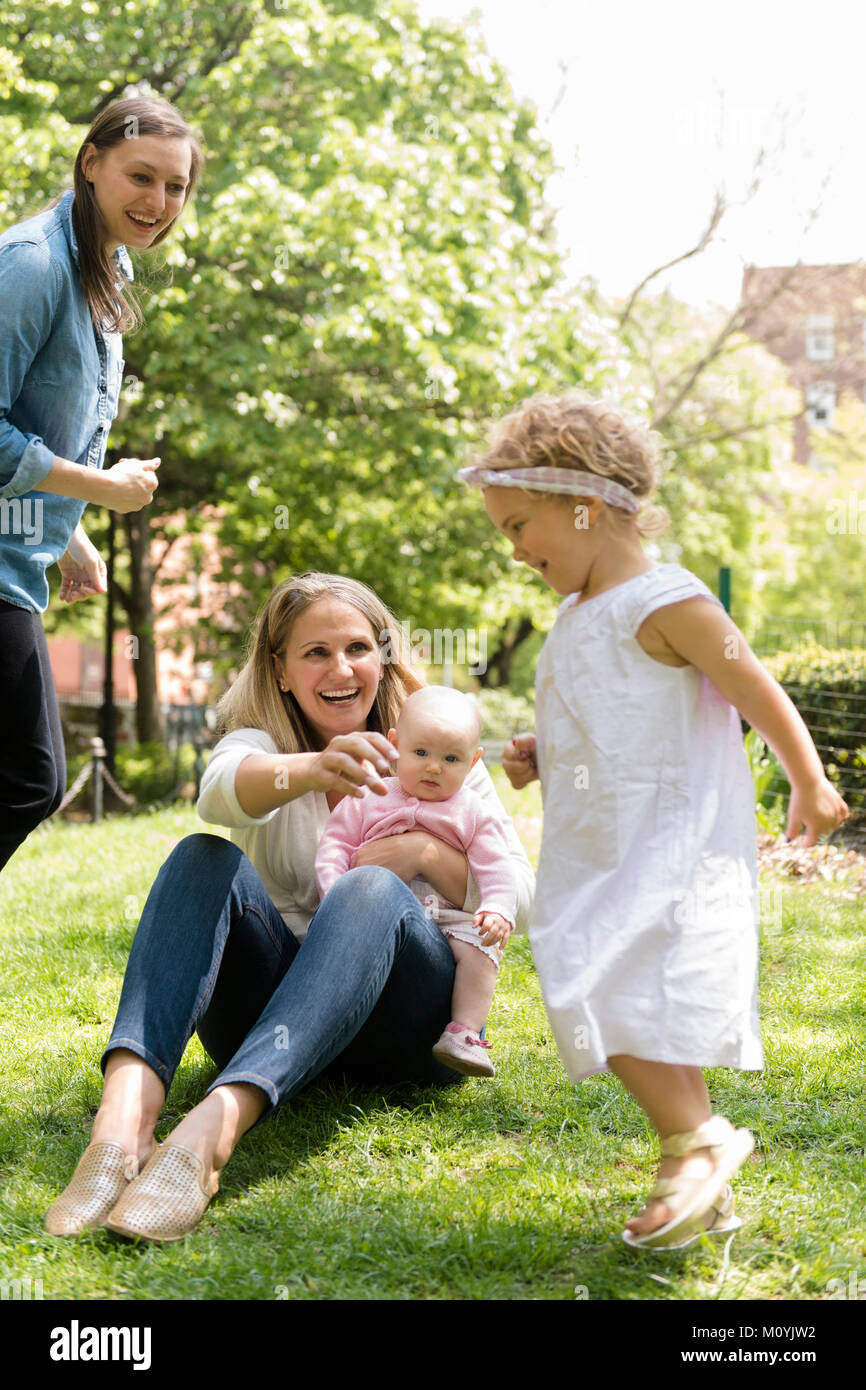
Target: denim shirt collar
[[121, 255]]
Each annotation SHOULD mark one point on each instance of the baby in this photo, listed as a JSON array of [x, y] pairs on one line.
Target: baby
[[437, 739]]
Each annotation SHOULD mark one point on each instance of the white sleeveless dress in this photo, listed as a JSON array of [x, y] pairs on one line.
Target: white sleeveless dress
[[645, 924]]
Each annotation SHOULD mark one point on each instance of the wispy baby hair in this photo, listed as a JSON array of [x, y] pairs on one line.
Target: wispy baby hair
[[591, 436]]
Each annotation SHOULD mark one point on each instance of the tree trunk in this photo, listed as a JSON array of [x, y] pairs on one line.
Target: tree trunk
[[108, 713], [502, 658], [148, 721]]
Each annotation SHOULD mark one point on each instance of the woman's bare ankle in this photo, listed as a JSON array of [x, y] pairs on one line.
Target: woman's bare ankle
[[132, 1099]]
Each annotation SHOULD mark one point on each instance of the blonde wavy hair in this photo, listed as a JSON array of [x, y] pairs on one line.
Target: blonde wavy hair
[[591, 436], [255, 700]]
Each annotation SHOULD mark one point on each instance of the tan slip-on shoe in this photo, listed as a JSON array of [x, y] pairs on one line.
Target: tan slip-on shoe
[[167, 1199], [102, 1175]]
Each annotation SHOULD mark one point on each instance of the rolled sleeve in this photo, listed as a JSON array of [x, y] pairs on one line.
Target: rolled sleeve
[[29, 288], [218, 802], [30, 459]]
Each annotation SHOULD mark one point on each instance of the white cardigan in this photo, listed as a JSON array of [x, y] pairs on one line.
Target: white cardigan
[[282, 845]]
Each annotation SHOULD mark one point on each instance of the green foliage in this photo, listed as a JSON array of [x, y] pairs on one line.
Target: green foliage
[[823, 535], [505, 713], [767, 774], [150, 772], [367, 276], [829, 690]]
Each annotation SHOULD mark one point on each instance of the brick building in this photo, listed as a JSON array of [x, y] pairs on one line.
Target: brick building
[[813, 318]]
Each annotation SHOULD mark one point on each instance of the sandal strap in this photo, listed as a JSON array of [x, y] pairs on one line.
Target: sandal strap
[[714, 1131]]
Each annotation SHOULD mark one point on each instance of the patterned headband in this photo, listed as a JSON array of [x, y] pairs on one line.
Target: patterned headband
[[553, 480]]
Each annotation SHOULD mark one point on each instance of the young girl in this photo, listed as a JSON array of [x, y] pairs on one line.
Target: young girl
[[436, 737], [61, 370], [644, 930]]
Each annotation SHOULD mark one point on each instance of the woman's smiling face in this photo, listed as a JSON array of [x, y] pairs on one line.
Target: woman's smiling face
[[139, 186], [332, 665]]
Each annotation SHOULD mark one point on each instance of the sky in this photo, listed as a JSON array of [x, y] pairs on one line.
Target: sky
[[651, 106]]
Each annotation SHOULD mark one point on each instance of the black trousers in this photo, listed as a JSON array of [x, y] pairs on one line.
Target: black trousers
[[32, 757]]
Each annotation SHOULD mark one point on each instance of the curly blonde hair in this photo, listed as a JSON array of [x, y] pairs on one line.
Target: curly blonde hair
[[590, 436]]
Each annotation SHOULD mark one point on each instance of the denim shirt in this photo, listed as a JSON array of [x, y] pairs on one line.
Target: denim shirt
[[60, 383]]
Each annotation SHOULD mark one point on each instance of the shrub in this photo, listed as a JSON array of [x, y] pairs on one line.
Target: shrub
[[829, 690], [505, 714]]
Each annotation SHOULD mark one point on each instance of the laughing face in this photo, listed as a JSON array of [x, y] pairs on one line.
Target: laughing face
[[139, 186], [332, 665]]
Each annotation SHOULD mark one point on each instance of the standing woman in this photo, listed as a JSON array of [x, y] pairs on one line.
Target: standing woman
[[63, 310]]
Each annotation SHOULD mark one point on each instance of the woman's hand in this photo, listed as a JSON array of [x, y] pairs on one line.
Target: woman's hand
[[352, 762], [817, 806], [495, 928], [400, 853], [82, 568], [130, 484], [519, 760], [418, 854]]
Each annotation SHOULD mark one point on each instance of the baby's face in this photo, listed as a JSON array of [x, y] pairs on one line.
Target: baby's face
[[435, 755]]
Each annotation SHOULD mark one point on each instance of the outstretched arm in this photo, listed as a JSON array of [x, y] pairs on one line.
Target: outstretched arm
[[701, 632]]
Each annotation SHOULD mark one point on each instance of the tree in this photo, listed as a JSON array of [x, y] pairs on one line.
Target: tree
[[365, 279]]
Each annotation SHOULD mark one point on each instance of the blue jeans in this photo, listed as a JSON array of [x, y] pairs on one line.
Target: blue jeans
[[368, 990]]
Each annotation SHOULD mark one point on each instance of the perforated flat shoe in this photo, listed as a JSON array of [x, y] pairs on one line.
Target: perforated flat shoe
[[167, 1199], [103, 1173]]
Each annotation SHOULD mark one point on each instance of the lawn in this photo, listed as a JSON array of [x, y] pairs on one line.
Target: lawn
[[512, 1188]]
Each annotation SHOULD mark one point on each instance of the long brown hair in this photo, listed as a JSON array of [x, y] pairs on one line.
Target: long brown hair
[[117, 310], [255, 701]]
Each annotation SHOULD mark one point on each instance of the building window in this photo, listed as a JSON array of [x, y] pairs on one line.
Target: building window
[[819, 338], [820, 404]]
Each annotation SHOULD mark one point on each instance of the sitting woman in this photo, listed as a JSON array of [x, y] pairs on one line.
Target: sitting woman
[[231, 942]]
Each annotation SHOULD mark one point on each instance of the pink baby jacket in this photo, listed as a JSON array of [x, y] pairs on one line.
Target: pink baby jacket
[[464, 821]]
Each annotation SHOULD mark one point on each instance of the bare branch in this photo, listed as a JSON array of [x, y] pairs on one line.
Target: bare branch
[[741, 318], [753, 426], [718, 212]]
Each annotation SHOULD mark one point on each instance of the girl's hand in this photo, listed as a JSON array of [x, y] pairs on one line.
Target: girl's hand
[[82, 568], [818, 807], [352, 762], [519, 760], [399, 853], [494, 927]]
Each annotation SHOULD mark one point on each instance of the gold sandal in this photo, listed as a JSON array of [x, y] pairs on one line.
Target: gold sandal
[[693, 1200], [102, 1174], [168, 1198]]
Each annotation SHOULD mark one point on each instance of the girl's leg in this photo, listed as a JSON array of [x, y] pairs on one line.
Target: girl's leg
[[676, 1100], [32, 758], [474, 983]]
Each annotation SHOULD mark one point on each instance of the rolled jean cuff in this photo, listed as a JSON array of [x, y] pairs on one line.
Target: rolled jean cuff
[[249, 1078], [164, 1073]]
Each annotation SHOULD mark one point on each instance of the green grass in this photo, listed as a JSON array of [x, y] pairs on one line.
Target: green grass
[[514, 1188]]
